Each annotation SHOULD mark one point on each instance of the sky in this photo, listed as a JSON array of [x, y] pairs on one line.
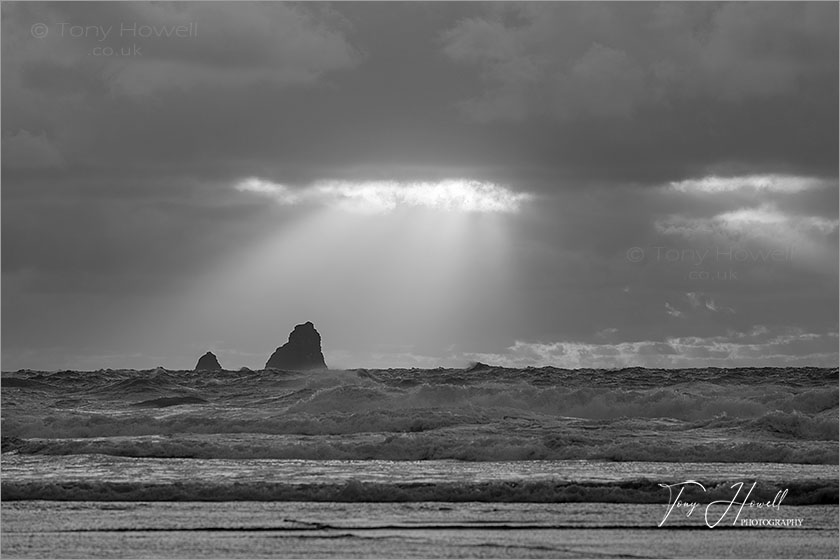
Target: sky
[[431, 184]]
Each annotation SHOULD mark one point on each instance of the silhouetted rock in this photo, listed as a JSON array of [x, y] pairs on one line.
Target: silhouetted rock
[[303, 351], [208, 362]]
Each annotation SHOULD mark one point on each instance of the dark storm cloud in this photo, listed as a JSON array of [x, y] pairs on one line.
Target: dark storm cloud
[[572, 60], [181, 97], [661, 90], [581, 91]]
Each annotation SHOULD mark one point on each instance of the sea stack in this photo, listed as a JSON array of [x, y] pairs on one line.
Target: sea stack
[[303, 351], [208, 362]]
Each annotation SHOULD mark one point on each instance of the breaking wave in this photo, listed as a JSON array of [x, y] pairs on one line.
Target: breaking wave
[[802, 492], [785, 415], [416, 447]]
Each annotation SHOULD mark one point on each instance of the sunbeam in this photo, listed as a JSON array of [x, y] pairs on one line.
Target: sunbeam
[[417, 273]]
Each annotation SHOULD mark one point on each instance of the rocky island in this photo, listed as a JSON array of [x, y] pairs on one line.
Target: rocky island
[[301, 352], [208, 362]]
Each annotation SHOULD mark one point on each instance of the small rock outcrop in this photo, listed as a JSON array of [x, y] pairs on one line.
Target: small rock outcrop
[[208, 362], [303, 351]]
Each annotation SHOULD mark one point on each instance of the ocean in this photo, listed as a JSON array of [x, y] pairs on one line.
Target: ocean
[[476, 462]]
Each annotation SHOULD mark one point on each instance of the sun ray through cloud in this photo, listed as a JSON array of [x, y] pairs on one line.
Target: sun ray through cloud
[[373, 197]]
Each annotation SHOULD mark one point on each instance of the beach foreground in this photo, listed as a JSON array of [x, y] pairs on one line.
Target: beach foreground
[[40, 529]]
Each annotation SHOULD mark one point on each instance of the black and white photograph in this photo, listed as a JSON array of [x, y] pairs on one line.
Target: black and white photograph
[[421, 279]]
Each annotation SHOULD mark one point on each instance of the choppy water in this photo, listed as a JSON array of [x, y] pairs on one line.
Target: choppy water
[[480, 434]]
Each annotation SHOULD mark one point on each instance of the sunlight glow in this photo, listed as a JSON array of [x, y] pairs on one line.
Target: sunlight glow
[[762, 221], [382, 197], [753, 217], [279, 192], [769, 183]]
